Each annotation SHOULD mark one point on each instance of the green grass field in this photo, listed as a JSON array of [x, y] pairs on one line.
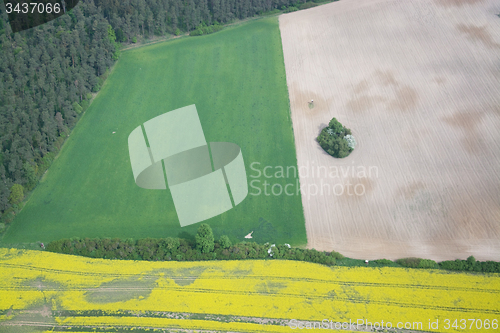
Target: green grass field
[[236, 78]]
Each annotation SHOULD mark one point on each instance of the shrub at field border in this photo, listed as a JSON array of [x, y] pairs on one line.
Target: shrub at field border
[[307, 5], [453, 265], [202, 29], [417, 263]]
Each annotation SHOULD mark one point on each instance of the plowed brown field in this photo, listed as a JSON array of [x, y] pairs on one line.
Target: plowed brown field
[[418, 82]]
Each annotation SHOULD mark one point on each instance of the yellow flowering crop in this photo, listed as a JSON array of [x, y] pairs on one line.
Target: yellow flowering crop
[[238, 296]]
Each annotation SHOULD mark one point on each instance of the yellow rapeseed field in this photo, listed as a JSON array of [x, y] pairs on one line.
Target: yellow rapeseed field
[[44, 291]]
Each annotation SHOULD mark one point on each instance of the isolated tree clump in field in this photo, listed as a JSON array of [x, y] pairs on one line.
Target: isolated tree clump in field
[[336, 139]]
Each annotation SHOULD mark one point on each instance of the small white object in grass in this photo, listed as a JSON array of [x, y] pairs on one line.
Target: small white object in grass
[[288, 245], [114, 132], [366, 262], [249, 235]]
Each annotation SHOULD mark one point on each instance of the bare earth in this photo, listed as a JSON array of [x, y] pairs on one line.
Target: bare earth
[[418, 82]]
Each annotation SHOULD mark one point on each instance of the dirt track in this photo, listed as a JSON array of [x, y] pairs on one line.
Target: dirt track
[[418, 82]]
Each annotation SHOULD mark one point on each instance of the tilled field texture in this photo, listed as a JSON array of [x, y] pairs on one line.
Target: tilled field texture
[[418, 82]]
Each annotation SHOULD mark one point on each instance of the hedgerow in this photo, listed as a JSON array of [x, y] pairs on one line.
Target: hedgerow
[[166, 249], [206, 248]]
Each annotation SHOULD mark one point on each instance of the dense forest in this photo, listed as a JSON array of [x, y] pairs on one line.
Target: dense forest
[[48, 73]]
